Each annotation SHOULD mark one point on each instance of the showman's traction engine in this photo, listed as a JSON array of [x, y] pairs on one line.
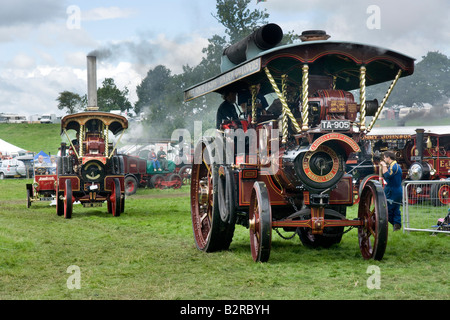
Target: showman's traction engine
[[283, 168]]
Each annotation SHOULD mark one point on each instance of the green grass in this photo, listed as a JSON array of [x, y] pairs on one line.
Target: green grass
[[149, 253], [32, 137]]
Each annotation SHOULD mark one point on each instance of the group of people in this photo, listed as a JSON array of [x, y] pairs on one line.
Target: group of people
[[159, 160], [227, 110], [50, 168]]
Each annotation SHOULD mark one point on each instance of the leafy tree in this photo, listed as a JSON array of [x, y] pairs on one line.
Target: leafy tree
[[160, 97], [239, 21], [109, 97], [71, 101], [237, 18], [428, 83], [160, 94]]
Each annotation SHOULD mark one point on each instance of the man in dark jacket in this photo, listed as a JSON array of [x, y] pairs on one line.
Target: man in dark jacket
[[392, 173], [227, 110]]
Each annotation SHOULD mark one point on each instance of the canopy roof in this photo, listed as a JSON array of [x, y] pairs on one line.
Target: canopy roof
[[116, 122], [341, 60], [406, 132]]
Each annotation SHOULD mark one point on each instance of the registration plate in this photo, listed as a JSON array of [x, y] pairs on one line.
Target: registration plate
[[335, 125], [46, 199], [92, 204]]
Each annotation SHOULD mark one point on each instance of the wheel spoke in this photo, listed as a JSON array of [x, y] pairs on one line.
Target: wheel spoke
[[207, 168], [372, 232]]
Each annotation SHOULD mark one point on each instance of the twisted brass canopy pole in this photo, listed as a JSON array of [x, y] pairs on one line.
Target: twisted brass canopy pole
[[388, 93], [305, 114], [362, 99], [282, 100], [253, 92]]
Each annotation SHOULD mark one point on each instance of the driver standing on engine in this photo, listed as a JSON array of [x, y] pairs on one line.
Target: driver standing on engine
[[392, 173]]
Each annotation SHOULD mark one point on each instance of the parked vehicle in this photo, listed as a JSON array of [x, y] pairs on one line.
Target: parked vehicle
[[12, 168], [140, 172], [44, 183], [422, 153]]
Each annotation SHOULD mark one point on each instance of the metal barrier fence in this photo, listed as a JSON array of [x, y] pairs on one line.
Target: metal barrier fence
[[426, 206]]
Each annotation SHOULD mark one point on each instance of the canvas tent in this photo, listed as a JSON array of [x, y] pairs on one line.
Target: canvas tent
[[8, 149]]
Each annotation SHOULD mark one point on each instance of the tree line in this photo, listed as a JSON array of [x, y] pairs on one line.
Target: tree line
[[160, 94]]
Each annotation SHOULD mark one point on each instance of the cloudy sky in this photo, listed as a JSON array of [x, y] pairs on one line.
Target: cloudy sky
[[44, 43]]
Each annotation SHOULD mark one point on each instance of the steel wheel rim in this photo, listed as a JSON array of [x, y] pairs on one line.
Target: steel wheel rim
[[201, 203], [443, 194], [68, 200], [260, 218], [372, 211], [130, 187], [255, 227], [115, 198]]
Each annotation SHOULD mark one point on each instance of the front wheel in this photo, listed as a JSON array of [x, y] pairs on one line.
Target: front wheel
[[68, 201], [114, 199], [29, 198], [440, 194], [175, 181], [59, 203], [157, 181], [260, 222], [373, 212], [131, 185]]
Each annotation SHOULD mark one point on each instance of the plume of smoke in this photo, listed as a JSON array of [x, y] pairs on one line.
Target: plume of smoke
[[141, 54]]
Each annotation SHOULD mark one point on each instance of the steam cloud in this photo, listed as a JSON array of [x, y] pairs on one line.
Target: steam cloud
[[141, 53]]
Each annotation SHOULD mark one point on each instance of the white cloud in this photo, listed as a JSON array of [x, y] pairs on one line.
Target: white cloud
[[175, 54], [104, 13], [35, 91], [413, 28], [25, 12], [22, 61]]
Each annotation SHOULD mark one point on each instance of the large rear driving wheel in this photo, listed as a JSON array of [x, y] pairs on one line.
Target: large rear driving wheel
[[210, 232]]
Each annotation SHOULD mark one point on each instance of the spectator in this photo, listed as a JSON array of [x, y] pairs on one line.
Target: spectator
[[162, 159], [392, 173], [40, 162], [153, 158]]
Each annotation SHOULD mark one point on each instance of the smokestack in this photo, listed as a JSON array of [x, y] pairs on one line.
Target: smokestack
[[263, 38], [92, 83], [419, 143], [314, 35]]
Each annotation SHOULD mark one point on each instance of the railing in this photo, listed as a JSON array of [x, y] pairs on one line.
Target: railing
[[424, 203]]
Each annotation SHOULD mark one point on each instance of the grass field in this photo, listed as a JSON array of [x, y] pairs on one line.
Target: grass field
[[32, 137], [149, 253]]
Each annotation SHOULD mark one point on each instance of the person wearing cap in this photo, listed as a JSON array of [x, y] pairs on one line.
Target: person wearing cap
[[227, 109]]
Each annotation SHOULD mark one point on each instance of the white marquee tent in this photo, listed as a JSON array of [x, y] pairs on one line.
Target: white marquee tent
[[9, 149]]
